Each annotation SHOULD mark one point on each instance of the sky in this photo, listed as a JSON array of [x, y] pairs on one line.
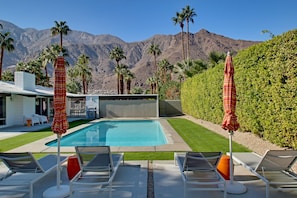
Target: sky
[[138, 20]]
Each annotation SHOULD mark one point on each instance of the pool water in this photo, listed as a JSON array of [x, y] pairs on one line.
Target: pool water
[[116, 133]]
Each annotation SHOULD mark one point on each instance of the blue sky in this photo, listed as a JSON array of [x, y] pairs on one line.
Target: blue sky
[[137, 20]]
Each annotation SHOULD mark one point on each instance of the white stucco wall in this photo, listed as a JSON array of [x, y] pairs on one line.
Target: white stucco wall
[[17, 107]]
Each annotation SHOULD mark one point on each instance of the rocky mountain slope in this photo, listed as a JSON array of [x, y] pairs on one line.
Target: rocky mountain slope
[[30, 42]]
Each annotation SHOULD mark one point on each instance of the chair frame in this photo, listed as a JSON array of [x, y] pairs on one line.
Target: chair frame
[[24, 171], [274, 168], [199, 170], [93, 175]]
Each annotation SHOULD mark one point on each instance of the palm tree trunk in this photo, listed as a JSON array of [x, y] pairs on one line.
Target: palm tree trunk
[[183, 46], [1, 62], [61, 41], [188, 43], [121, 84], [118, 83], [128, 86]]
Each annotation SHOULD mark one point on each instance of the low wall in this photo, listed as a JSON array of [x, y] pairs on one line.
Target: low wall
[[170, 108], [128, 106]]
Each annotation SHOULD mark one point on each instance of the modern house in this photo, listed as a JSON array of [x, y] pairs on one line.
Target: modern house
[[21, 99]]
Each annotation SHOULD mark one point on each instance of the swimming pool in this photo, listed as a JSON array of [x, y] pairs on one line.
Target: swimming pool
[[116, 133]]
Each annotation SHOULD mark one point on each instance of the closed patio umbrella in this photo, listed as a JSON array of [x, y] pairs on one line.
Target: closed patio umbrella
[[230, 120], [60, 124]]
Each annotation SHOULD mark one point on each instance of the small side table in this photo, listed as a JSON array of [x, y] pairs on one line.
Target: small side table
[[29, 122]]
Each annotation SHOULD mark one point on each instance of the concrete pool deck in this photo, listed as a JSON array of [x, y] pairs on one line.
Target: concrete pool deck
[[131, 181], [175, 142]]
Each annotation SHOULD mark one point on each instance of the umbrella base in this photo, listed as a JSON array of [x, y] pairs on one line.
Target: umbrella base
[[235, 187], [55, 192]]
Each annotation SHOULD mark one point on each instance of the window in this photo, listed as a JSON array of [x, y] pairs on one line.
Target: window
[[2, 110]]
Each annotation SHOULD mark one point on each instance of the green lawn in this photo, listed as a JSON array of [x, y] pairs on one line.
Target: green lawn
[[196, 136]]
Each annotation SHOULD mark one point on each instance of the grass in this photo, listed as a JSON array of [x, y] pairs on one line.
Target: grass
[[20, 140], [196, 136]]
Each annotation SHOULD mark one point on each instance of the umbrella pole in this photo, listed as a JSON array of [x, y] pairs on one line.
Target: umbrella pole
[[58, 163], [58, 191], [231, 159], [232, 186]]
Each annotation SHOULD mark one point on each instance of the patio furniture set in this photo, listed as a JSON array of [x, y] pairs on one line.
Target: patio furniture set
[[98, 167]]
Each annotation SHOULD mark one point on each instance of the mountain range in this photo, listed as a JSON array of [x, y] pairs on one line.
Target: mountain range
[[29, 43]]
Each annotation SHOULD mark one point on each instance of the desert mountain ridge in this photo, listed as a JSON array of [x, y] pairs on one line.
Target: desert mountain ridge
[[29, 43]]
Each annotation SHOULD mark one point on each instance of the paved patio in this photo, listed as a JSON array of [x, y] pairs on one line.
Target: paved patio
[[132, 178], [131, 182]]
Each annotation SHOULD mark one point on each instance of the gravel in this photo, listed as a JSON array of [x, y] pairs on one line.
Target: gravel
[[246, 139]]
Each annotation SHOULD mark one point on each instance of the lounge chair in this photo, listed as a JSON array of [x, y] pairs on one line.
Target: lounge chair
[[98, 169], [274, 168], [42, 119], [199, 171], [24, 171], [34, 120]]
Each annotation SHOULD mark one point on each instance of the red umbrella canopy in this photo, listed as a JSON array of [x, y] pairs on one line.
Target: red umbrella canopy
[[229, 97], [60, 123]]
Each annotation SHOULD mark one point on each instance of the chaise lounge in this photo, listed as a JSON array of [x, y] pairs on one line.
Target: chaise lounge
[[199, 171], [274, 168], [24, 171], [98, 169]]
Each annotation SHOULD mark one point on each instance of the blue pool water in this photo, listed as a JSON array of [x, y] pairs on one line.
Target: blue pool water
[[116, 133]]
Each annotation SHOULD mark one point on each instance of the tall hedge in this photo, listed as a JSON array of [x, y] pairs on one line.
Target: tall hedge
[[266, 83]]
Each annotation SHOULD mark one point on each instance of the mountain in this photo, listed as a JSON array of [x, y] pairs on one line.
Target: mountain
[[30, 42]]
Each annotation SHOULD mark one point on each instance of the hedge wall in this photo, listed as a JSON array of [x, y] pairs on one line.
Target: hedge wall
[[266, 83]]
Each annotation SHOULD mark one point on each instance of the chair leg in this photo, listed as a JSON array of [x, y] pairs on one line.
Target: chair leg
[[267, 190], [185, 189]]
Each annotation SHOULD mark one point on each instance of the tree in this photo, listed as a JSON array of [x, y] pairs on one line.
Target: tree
[[155, 51], [72, 85], [179, 19], [152, 81], [61, 28], [1, 26], [117, 54], [6, 43], [268, 32], [7, 76], [128, 76], [33, 67], [83, 71], [188, 13], [164, 66], [120, 71], [215, 58]]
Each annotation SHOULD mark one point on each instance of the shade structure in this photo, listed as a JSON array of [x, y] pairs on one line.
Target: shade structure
[[229, 96], [230, 119], [59, 125]]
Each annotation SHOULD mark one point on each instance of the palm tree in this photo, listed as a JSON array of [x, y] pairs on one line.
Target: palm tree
[[152, 81], [188, 13], [117, 54], [7, 76], [6, 43], [215, 58], [1, 26], [128, 76], [83, 71], [49, 55], [120, 71], [155, 51], [164, 66], [179, 19], [61, 28]]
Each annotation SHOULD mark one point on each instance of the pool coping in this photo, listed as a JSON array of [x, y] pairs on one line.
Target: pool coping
[[175, 142]]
